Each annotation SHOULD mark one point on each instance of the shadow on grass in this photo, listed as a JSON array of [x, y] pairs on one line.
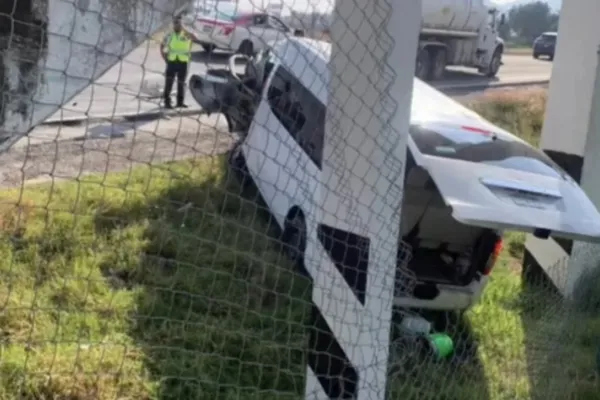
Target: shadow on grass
[[561, 338], [220, 314], [417, 374], [129, 283]]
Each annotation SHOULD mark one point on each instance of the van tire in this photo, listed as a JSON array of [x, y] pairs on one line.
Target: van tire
[[238, 167], [294, 238], [246, 48]]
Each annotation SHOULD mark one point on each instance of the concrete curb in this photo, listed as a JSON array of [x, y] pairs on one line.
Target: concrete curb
[[122, 117], [492, 85]]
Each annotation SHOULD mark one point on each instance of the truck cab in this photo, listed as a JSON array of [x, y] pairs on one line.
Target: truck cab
[[459, 33]]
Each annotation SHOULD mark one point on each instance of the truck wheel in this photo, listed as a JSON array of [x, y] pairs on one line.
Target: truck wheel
[[246, 48], [494, 66], [423, 69], [536, 55], [294, 238], [439, 64]]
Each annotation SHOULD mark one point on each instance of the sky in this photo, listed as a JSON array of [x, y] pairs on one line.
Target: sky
[[325, 6]]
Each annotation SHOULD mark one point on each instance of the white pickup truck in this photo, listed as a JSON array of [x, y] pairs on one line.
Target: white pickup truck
[[225, 25]]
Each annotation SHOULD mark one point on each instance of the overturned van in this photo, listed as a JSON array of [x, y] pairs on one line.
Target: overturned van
[[466, 181]]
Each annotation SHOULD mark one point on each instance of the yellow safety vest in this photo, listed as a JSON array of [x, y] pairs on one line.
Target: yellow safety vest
[[179, 47]]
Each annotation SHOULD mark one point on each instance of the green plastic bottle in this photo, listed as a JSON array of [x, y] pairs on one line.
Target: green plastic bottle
[[440, 344]]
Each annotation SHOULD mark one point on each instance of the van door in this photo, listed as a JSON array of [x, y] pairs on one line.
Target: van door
[[284, 146], [494, 180]]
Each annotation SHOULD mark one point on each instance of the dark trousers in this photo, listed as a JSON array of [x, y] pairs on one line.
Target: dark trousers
[[175, 70]]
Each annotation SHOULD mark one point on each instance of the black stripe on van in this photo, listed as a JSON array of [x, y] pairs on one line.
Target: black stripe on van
[[350, 255]]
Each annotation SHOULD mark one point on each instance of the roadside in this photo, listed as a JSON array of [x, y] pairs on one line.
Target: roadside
[[73, 152], [76, 150]]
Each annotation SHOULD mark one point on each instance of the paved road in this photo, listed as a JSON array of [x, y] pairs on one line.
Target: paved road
[[67, 153], [134, 85], [516, 68]]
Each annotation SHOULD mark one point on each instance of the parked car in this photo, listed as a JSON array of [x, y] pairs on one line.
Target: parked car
[[466, 180], [225, 26], [544, 45]]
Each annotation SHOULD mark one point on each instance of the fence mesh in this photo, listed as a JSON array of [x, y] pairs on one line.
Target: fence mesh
[[142, 257]]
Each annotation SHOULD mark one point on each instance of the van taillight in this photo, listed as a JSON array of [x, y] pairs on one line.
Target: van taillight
[[226, 30], [493, 257]]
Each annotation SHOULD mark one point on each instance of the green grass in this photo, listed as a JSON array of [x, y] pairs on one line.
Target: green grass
[[165, 283], [110, 289]]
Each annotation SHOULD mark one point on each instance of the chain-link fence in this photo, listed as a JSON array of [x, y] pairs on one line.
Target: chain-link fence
[[249, 243]]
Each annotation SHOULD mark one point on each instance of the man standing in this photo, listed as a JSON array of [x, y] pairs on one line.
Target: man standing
[[176, 51]]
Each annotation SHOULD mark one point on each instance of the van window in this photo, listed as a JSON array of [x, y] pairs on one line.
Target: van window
[[299, 111], [460, 143]]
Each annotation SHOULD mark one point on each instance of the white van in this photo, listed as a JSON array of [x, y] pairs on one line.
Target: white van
[[466, 180]]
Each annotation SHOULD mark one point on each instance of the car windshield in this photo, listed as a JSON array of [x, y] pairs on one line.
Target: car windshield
[[549, 38], [482, 146]]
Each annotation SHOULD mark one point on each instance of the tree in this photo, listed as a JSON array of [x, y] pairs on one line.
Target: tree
[[504, 31], [530, 20]]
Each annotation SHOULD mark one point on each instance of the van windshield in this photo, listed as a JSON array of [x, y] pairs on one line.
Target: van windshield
[[549, 38]]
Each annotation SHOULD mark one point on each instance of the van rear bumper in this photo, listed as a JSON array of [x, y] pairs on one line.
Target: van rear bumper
[[449, 298]]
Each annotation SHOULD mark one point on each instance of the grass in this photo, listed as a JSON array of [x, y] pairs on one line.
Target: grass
[[127, 287], [163, 282]]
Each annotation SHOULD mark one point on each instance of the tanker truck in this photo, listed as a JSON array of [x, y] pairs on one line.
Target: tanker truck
[[460, 33]]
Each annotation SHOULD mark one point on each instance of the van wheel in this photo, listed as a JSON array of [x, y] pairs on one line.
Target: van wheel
[[294, 238], [246, 48], [424, 68], [237, 165]]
